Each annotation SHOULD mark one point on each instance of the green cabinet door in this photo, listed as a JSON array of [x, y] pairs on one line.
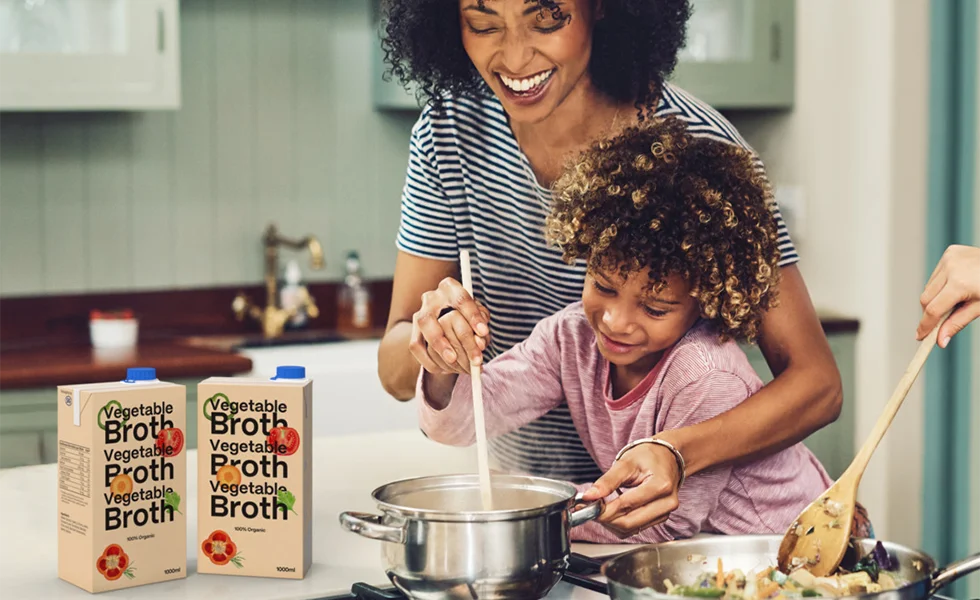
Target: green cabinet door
[[739, 55], [834, 444]]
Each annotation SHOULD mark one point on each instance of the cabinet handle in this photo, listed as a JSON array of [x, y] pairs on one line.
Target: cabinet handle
[[161, 31], [775, 42]]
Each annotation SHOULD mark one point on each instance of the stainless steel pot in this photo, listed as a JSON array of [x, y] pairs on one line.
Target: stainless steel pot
[[439, 543], [640, 573]]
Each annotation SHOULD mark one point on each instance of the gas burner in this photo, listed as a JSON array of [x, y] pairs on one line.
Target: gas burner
[[577, 574]]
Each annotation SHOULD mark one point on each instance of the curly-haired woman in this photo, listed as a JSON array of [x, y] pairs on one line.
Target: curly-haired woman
[[681, 252], [514, 88]]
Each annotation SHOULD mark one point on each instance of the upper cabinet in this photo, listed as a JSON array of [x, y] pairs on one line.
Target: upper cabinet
[[89, 55], [739, 54]]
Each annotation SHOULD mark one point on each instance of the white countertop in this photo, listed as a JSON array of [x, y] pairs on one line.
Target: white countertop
[[346, 469]]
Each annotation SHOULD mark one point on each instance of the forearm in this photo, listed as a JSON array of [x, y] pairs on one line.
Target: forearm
[[801, 400], [437, 390], [445, 417], [516, 389], [397, 368], [804, 396]]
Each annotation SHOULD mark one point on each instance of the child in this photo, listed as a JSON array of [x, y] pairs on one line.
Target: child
[[682, 261]]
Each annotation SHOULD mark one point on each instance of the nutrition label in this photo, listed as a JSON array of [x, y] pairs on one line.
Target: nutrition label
[[70, 525], [74, 472]]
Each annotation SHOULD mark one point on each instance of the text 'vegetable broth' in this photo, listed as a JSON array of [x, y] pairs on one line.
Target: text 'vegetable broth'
[[255, 475], [122, 478]]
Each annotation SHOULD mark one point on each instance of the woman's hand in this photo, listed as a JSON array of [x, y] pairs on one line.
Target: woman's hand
[[955, 280], [447, 343], [649, 471]]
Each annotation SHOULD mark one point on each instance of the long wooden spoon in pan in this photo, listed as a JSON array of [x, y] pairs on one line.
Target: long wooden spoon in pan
[[818, 537]]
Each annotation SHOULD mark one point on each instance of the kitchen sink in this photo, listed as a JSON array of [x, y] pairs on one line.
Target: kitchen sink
[[294, 339]]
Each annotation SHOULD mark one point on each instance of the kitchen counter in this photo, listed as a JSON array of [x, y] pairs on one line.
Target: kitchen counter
[[52, 365], [48, 365], [347, 469]]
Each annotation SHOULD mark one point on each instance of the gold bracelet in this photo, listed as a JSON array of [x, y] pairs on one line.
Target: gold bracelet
[[681, 465]]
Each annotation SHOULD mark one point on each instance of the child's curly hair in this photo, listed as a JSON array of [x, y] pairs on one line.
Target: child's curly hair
[[656, 197]]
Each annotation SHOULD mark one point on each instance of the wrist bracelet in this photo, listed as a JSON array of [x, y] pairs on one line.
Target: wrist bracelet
[[681, 465]]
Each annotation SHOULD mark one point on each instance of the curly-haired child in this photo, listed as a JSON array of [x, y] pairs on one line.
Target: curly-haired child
[[682, 254]]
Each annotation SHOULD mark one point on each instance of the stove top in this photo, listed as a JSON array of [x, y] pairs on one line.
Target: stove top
[[577, 583]]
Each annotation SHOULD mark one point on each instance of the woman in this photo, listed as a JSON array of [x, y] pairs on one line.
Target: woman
[[515, 88]]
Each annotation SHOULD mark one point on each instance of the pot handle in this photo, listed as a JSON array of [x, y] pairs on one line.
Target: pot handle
[[583, 515], [370, 526], [954, 571]]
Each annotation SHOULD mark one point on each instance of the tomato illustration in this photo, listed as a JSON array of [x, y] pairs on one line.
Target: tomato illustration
[[229, 474], [284, 440], [114, 563], [121, 485], [170, 441], [220, 550]]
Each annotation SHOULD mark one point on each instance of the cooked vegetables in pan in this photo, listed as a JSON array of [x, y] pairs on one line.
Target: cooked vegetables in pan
[[870, 574]]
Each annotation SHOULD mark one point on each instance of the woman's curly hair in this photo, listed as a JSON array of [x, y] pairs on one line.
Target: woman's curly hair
[[634, 47], [656, 197]]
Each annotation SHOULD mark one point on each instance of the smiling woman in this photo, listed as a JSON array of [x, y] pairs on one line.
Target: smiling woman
[[515, 88], [588, 45]]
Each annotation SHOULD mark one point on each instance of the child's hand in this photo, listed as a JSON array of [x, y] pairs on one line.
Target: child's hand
[[446, 343], [649, 471]]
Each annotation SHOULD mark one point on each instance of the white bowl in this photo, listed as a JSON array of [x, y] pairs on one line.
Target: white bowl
[[113, 333]]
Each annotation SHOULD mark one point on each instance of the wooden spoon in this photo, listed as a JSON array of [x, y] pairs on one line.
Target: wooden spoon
[[479, 422], [818, 537]]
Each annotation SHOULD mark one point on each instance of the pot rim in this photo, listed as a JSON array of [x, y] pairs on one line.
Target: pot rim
[[542, 484]]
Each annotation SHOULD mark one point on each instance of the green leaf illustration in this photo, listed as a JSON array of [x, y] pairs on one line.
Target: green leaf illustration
[[172, 499], [105, 411], [213, 403], [237, 560], [287, 499], [129, 572]]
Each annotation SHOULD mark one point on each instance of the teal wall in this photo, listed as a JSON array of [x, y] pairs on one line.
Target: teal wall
[[276, 123], [953, 157]]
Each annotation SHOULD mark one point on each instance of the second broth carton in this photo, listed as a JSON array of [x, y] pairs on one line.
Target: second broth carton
[[255, 475]]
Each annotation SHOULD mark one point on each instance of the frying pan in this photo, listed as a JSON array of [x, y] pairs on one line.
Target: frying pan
[[639, 574]]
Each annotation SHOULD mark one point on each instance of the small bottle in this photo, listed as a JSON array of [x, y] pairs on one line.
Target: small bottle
[[293, 293], [354, 301]]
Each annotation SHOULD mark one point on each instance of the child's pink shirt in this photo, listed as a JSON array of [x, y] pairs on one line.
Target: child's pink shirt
[[697, 379]]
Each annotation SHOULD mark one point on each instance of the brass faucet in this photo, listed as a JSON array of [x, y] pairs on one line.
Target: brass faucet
[[273, 318]]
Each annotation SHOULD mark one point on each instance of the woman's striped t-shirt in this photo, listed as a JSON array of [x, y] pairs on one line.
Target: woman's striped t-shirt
[[469, 186]]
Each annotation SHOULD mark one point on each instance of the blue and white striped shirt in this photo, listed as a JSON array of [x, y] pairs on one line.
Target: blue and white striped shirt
[[469, 186]]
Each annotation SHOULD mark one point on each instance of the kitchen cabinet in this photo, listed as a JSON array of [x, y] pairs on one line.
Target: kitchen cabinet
[[739, 55], [91, 55], [26, 416], [834, 444]]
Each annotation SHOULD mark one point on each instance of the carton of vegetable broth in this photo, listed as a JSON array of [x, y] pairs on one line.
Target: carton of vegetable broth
[[122, 479], [255, 475]]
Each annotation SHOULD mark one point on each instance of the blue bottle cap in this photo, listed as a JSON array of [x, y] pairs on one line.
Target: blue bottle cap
[[141, 374], [290, 372]]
